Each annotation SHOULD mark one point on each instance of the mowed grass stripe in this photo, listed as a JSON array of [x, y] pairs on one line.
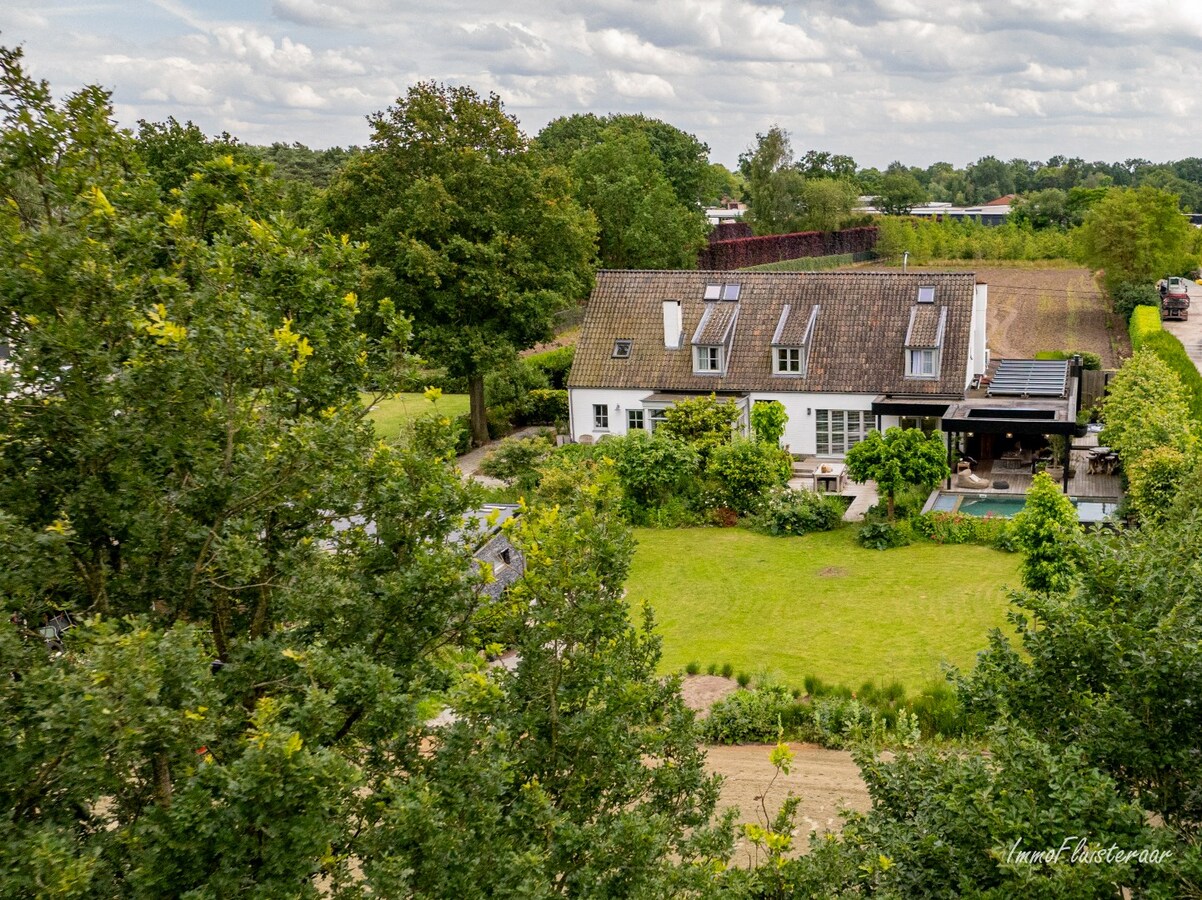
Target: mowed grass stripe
[[819, 604]]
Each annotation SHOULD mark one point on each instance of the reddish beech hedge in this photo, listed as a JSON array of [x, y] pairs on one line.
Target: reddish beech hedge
[[755, 251]]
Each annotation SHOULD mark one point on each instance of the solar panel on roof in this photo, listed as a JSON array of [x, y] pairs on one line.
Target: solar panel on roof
[[1029, 378]]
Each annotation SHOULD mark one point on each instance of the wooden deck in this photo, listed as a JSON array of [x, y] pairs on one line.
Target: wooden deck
[[1082, 485]]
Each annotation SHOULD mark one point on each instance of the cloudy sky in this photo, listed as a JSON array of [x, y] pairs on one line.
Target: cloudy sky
[[916, 80]]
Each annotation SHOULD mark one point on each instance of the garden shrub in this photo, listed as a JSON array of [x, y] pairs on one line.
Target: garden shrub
[[553, 364], [517, 461], [960, 528], [741, 474], [768, 420], [939, 712], [885, 535], [1144, 321], [655, 470], [748, 717], [791, 512], [546, 406], [702, 422], [692, 668], [1131, 297], [1089, 360]]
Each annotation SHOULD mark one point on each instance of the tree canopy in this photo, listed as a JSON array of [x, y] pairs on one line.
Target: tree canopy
[[899, 457], [1137, 235], [474, 240]]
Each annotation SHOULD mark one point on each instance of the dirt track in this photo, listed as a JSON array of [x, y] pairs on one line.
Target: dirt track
[[825, 780]]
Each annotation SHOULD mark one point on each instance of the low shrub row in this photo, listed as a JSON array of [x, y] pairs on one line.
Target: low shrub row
[[835, 718], [1144, 321]]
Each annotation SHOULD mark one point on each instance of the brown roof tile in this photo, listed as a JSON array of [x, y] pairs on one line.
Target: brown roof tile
[[857, 344], [926, 323]]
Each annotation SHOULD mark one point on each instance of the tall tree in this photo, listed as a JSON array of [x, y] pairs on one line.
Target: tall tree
[[1137, 234], [1046, 531], [641, 223], [899, 193], [477, 243]]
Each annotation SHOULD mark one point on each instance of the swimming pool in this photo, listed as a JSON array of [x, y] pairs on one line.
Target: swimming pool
[[1088, 511]]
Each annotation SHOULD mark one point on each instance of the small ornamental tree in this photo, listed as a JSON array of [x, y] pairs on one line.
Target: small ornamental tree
[[743, 472], [1046, 532], [703, 422], [899, 457], [768, 420]]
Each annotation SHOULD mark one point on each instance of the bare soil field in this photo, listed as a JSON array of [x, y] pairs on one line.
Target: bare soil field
[[825, 780], [1047, 308]]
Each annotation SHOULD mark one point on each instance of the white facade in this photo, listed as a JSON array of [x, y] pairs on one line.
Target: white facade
[[818, 424]]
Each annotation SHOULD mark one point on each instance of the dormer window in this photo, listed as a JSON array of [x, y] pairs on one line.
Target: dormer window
[[922, 363], [789, 361], [622, 348], [707, 360], [924, 341], [792, 340]]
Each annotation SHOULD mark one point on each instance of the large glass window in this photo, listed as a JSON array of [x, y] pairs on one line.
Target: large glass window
[[840, 429]]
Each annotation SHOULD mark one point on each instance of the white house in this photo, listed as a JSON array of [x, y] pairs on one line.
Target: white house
[[844, 352]]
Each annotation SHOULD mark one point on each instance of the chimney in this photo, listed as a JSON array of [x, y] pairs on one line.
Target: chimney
[[673, 327]]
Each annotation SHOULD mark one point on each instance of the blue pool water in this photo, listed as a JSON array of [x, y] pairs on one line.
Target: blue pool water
[[1088, 511]]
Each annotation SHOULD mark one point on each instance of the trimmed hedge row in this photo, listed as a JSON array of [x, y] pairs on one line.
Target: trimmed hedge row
[[755, 251], [1145, 320], [1147, 333]]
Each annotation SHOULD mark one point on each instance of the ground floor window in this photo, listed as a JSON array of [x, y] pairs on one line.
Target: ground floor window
[[634, 419], [840, 429], [656, 418], [928, 424], [601, 415]]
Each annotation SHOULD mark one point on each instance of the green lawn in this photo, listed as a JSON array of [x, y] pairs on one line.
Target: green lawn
[[393, 414], [819, 604]]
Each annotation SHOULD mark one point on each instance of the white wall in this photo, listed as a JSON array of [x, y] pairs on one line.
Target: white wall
[[580, 408], [978, 338], [801, 435]]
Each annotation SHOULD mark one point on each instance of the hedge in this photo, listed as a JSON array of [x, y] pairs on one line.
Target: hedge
[[755, 251], [1147, 332], [1145, 320]]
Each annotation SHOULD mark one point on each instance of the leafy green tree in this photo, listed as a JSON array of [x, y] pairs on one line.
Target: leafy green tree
[[1111, 670], [701, 422], [1145, 408], [899, 457], [1046, 531], [641, 223], [782, 198], [1044, 209], [1137, 234], [742, 473], [182, 424], [474, 240], [654, 469], [948, 822], [578, 772], [684, 160], [768, 420], [899, 192], [1153, 481]]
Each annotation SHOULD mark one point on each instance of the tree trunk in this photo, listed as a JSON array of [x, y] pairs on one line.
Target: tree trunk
[[889, 504], [479, 416]]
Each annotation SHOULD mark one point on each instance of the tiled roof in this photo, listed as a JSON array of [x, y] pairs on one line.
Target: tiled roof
[[856, 345], [716, 323], [794, 326], [926, 325]]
